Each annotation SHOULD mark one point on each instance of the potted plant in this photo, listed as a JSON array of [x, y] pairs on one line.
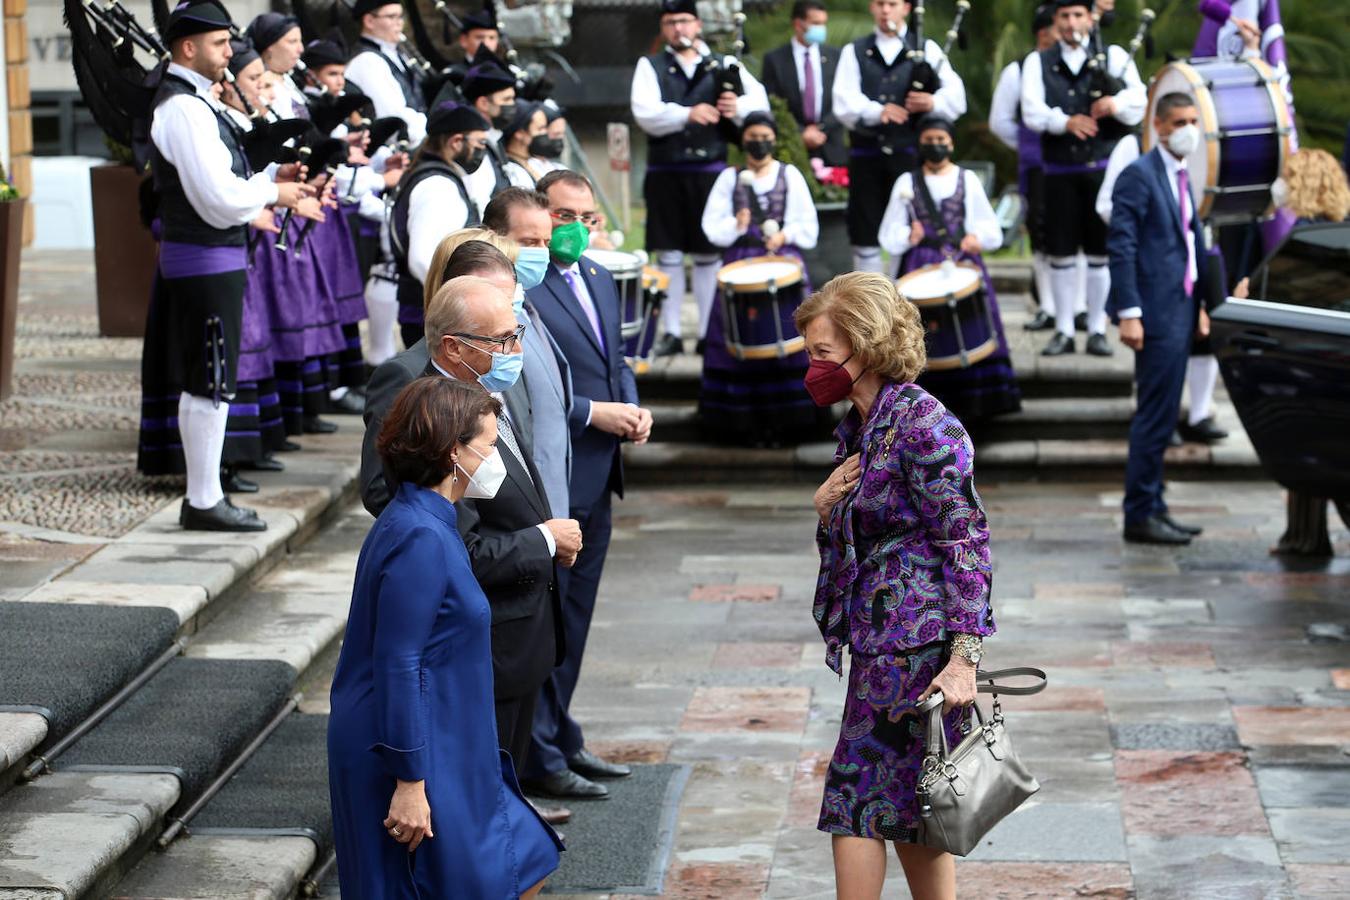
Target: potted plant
[[124, 249], [11, 244]]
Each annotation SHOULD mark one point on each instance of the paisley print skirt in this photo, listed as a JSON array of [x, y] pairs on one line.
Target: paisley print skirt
[[869, 789]]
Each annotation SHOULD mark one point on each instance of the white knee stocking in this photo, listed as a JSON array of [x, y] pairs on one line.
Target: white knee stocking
[[1098, 287], [671, 262], [1064, 287], [1202, 374], [202, 426], [705, 287], [867, 259], [1040, 269], [382, 308], [1080, 296]]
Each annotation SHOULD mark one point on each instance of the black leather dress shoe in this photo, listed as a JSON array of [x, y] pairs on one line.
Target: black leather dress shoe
[[668, 345], [1155, 530], [586, 763], [268, 463], [1060, 345], [1202, 432], [1039, 322], [566, 784], [289, 446], [1080, 322], [1097, 345], [1192, 530], [224, 516], [315, 425], [349, 404], [231, 482]]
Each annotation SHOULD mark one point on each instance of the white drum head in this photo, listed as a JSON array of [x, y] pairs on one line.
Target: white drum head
[[1183, 78], [936, 282], [779, 272], [621, 264]]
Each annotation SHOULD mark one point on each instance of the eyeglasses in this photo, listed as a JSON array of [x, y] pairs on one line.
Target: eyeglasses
[[512, 340], [567, 217]]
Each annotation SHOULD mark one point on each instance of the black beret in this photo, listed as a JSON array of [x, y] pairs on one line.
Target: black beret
[[1043, 17], [189, 18], [243, 53], [520, 120], [1065, 4], [679, 8], [930, 121], [486, 78], [760, 118], [365, 7], [553, 112], [485, 18], [455, 118], [324, 53], [268, 28]]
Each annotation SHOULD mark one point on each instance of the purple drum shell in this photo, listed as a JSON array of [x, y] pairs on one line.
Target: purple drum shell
[[750, 319], [971, 317], [1246, 159]]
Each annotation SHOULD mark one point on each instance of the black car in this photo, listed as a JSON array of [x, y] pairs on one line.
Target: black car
[[1285, 357]]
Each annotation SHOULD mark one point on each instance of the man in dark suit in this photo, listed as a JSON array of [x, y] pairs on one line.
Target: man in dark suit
[[1159, 281], [512, 540], [802, 73], [579, 303]]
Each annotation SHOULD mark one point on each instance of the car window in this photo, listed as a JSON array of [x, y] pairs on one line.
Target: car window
[[1311, 268]]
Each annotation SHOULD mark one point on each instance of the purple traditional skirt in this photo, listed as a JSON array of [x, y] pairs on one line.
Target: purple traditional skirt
[[255, 336], [303, 319], [757, 401], [339, 276], [987, 388], [870, 786]]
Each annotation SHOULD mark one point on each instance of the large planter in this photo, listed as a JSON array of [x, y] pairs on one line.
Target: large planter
[[833, 254], [11, 245], [124, 251]]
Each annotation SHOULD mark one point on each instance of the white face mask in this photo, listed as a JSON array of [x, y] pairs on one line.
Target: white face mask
[[1279, 192], [484, 483], [1184, 141]]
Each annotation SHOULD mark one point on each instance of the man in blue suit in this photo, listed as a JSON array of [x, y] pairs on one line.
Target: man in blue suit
[[1158, 285], [579, 303]]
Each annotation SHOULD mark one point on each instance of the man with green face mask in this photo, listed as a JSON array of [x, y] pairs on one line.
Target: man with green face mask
[[579, 303]]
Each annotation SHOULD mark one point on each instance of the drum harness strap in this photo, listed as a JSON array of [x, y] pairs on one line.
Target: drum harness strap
[[745, 197], [946, 238]]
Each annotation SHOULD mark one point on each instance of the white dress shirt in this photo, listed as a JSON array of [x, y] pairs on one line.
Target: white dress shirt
[[435, 209], [980, 219], [287, 98], [800, 224], [187, 135], [518, 175], [804, 55], [1172, 165], [659, 118], [1039, 116], [855, 108], [374, 78], [1003, 120]]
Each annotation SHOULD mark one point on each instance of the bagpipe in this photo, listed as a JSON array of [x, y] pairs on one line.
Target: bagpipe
[[318, 154], [1104, 82], [923, 76]]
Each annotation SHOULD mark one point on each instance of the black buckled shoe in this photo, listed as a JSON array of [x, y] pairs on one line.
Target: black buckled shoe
[[289, 446], [231, 482], [1202, 432], [268, 463], [566, 784], [349, 404], [1155, 530], [224, 516], [1060, 345], [586, 763], [1039, 322], [315, 425], [1192, 530], [668, 345], [1097, 345]]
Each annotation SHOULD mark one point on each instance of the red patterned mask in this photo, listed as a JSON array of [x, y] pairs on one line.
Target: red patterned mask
[[828, 382]]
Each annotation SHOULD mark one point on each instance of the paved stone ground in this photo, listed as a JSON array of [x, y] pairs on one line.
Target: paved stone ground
[[1194, 741]]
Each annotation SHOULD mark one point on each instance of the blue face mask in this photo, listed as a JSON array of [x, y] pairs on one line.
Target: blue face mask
[[503, 373], [518, 304], [814, 34], [531, 265]]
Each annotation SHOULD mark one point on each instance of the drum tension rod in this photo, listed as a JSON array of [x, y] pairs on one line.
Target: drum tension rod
[[1238, 189]]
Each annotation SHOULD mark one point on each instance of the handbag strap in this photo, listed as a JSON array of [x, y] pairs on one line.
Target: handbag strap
[[1015, 672], [935, 744]]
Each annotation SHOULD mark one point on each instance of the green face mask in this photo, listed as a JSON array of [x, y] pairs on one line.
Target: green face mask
[[569, 242]]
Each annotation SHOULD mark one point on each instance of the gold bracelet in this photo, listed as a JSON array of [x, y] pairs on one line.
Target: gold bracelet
[[967, 646]]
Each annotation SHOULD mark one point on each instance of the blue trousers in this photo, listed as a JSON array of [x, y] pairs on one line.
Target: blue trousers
[[1159, 377], [556, 735]]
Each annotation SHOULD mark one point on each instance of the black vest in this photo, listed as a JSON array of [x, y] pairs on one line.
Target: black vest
[[694, 143], [178, 220], [1072, 94], [885, 84], [409, 80], [409, 288]]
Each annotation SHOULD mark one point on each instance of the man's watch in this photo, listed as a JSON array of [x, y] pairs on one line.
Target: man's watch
[[969, 647]]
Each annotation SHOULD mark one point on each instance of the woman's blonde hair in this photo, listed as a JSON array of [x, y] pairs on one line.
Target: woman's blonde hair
[[883, 329], [1317, 186], [452, 242]]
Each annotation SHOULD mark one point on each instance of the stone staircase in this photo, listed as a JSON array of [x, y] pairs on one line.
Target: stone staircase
[[1074, 421]]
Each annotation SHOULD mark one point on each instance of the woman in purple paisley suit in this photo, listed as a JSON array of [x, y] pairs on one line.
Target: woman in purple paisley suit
[[904, 576]]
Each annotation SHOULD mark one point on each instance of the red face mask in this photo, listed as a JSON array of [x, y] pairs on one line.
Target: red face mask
[[828, 382]]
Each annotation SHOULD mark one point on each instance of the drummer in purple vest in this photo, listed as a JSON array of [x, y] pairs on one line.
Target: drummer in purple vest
[[762, 209], [207, 198], [875, 98], [941, 218], [1077, 137], [676, 99], [1005, 121]]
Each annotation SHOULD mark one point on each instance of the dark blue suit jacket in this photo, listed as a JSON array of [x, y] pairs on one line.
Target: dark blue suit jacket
[[1148, 252], [598, 374]]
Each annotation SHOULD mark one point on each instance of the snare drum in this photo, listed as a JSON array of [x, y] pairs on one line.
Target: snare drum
[[759, 296], [1245, 119], [958, 326], [640, 325]]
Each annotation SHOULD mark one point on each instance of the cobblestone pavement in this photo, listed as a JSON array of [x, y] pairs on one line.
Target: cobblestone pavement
[[1193, 743]]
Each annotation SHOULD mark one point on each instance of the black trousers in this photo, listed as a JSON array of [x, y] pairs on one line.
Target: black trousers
[[1071, 220], [870, 180], [514, 718]]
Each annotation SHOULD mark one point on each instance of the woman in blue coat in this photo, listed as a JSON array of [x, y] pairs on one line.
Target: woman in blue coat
[[424, 803]]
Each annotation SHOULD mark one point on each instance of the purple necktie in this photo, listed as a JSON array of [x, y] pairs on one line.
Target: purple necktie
[[809, 90], [587, 306], [1183, 192]]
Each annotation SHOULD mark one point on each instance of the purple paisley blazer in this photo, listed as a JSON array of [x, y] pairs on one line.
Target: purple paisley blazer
[[904, 558]]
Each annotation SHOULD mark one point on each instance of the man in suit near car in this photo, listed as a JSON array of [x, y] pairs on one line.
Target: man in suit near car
[[802, 73], [579, 303], [1159, 281]]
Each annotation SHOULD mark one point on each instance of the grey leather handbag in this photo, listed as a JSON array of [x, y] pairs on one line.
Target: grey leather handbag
[[966, 791]]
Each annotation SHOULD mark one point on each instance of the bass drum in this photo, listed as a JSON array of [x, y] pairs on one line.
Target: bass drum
[[1245, 121]]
